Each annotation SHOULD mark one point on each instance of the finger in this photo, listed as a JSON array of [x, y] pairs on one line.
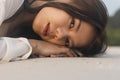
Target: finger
[[59, 55], [53, 56], [70, 53], [41, 56], [73, 53]]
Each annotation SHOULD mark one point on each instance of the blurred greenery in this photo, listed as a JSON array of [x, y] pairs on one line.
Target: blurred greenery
[[113, 30], [113, 36]]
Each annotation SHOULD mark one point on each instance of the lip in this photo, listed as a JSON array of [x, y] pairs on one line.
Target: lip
[[46, 29]]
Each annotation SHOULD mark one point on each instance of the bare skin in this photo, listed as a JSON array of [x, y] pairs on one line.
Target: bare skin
[[77, 33], [46, 49], [56, 26], [49, 49]]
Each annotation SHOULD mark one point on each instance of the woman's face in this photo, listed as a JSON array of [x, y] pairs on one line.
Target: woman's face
[[56, 26]]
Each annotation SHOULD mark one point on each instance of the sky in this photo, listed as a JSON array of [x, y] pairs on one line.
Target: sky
[[112, 5]]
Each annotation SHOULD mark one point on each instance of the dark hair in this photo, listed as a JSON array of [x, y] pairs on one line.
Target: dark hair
[[91, 11]]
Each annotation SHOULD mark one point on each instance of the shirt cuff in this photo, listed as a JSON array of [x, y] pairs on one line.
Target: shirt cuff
[[16, 49]]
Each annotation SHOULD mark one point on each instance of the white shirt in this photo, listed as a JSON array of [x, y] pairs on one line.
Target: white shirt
[[12, 48]]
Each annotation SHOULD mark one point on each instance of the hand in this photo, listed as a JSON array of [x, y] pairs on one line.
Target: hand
[[47, 49]]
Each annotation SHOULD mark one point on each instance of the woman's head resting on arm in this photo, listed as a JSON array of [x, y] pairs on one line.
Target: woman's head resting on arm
[[78, 24]]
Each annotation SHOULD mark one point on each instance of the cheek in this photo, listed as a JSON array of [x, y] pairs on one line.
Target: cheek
[[39, 22], [35, 26], [60, 24], [58, 42], [59, 20]]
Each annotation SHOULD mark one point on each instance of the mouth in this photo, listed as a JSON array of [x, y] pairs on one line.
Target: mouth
[[46, 29]]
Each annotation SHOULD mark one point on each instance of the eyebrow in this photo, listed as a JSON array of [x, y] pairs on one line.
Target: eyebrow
[[78, 26]]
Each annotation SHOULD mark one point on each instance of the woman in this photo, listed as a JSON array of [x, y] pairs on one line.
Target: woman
[[20, 48], [79, 25]]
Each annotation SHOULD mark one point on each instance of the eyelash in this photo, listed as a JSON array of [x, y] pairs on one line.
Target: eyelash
[[72, 23], [67, 42]]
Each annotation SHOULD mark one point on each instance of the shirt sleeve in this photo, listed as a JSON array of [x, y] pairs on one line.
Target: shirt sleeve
[[8, 8], [14, 49], [2, 11]]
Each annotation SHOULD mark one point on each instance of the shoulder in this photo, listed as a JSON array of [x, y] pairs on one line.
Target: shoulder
[[8, 8], [12, 6], [2, 10]]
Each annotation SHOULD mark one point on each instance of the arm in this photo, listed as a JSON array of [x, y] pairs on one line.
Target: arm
[[47, 49], [14, 49]]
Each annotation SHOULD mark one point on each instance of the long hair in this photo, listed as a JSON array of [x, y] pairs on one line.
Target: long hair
[[91, 11]]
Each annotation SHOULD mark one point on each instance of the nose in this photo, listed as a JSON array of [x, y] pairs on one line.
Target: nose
[[61, 34]]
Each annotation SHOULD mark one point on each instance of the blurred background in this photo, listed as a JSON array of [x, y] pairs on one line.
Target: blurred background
[[113, 27]]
